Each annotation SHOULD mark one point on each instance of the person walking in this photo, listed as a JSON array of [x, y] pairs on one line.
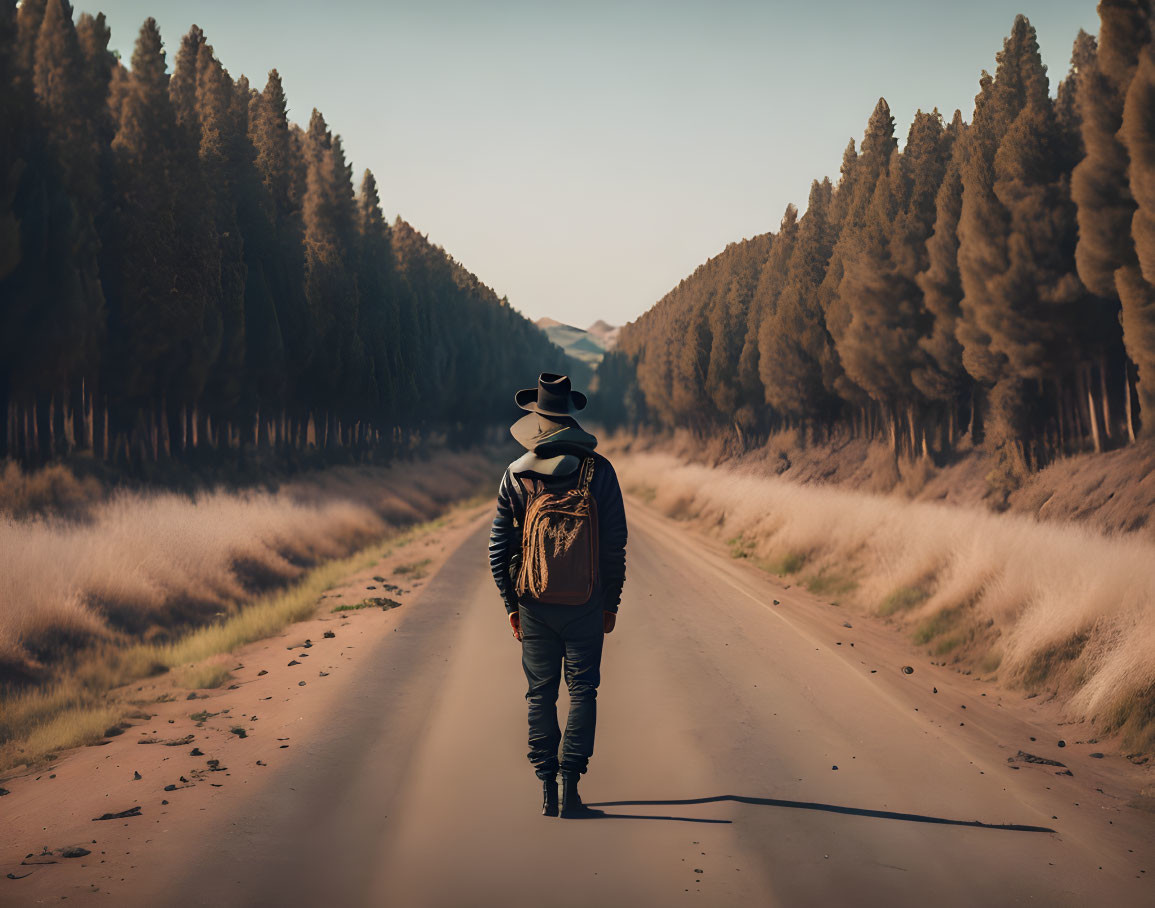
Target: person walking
[[557, 550]]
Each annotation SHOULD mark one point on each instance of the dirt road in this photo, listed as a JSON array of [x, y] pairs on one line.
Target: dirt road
[[749, 753]]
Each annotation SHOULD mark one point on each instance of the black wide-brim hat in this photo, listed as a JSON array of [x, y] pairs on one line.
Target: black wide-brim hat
[[552, 396]]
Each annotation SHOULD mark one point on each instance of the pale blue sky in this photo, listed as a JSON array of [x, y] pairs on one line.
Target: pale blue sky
[[583, 157]]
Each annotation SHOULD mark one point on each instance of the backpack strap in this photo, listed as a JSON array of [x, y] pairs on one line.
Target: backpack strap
[[587, 474]]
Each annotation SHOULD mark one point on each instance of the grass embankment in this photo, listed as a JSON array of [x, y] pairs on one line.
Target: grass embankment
[[76, 709], [154, 583], [1047, 607]]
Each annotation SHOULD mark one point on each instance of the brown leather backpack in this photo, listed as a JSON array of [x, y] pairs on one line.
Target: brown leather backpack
[[559, 542]]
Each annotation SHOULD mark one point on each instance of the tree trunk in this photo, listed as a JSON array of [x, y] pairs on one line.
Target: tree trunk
[[81, 436], [1104, 397], [43, 425], [28, 434], [154, 432], [1095, 437], [99, 426], [1127, 398], [7, 442], [56, 415], [1077, 417], [972, 428]]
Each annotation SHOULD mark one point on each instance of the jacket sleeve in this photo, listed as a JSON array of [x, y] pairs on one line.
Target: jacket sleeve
[[611, 536], [505, 542]]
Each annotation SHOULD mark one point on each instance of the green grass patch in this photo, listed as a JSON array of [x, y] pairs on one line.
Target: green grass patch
[[203, 716], [830, 583], [740, 546], [940, 623], [790, 563], [1133, 716], [949, 643], [903, 599], [414, 570], [1044, 665], [743, 548], [990, 662]]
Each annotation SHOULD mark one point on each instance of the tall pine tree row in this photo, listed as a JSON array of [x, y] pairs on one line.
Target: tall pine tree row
[[186, 275], [990, 284]]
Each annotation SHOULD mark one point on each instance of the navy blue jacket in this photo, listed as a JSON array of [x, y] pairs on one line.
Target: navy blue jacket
[[505, 536]]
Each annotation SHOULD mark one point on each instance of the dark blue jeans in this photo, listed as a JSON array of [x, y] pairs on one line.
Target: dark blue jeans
[[550, 636]]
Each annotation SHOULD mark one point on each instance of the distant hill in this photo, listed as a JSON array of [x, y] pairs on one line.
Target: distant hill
[[605, 332], [589, 346]]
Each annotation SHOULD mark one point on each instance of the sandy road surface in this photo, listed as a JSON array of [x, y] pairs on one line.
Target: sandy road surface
[[722, 719]]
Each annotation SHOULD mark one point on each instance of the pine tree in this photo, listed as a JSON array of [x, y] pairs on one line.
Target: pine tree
[[689, 395], [939, 375], [379, 320], [264, 395], [878, 347], [1020, 80], [330, 284], [868, 171], [1023, 302], [728, 317], [1136, 281], [164, 275], [1099, 181], [209, 116], [793, 344], [14, 112], [1083, 54], [281, 167], [28, 18], [71, 299], [752, 413]]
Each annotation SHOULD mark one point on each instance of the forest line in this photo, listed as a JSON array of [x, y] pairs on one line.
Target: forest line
[[184, 272], [993, 280]]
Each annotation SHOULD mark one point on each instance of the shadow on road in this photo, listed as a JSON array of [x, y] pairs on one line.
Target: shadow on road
[[603, 815], [809, 805]]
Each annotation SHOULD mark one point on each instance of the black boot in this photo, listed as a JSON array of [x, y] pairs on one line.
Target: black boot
[[571, 802], [549, 797]]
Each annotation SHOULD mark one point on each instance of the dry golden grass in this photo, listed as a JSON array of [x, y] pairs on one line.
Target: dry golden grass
[[1044, 604], [154, 582], [54, 488], [77, 709], [150, 566]]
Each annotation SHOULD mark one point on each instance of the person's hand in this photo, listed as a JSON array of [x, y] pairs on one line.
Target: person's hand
[[609, 619], [515, 623]]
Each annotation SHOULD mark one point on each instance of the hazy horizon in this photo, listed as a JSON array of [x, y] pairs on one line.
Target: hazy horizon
[[583, 160]]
